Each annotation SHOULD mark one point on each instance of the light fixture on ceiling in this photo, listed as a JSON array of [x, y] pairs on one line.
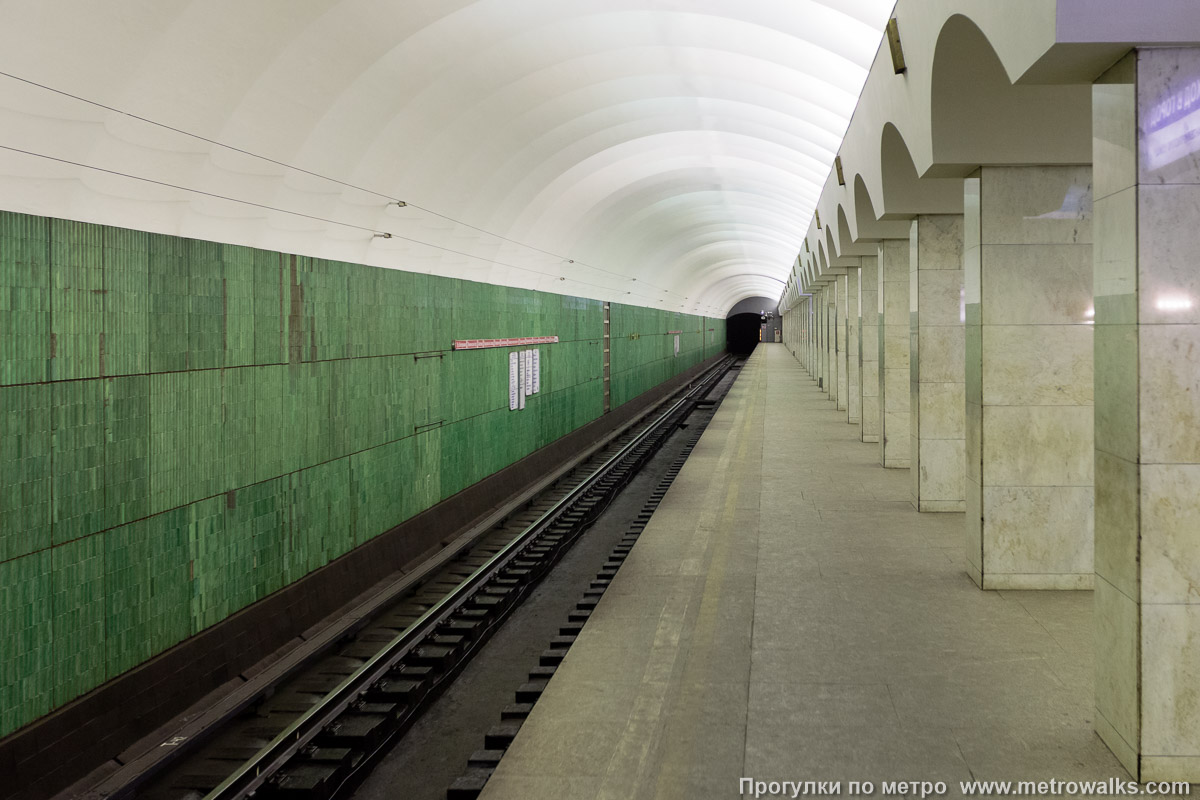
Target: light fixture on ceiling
[[837, 166], [382, 236], [893, 37], [399, 204]]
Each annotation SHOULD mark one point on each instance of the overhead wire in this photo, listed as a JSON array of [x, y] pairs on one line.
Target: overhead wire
[[301, 214], [311, 173]]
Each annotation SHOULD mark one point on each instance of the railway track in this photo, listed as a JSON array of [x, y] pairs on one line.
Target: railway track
[[322, 723]]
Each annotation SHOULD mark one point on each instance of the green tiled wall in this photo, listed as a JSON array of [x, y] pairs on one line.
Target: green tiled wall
[[186, 427], [643, 349]]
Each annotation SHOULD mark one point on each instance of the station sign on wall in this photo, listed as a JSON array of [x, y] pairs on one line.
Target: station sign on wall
[[524, 366], [520, 341]]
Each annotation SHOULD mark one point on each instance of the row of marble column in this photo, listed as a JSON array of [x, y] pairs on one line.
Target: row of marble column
[[1047, 383]]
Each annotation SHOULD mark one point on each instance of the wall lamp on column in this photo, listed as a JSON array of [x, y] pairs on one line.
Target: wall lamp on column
[[837, 166], [893, 37]]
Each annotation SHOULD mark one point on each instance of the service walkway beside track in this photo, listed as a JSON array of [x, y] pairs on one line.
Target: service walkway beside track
[[788, 616]]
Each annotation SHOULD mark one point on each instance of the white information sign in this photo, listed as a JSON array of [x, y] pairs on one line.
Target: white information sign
[[677, 344], [537, 371], [513, 386], [528, 372], [522, 368]]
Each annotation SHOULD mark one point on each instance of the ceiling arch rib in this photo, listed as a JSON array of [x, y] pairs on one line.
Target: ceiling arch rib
[[658, 138]]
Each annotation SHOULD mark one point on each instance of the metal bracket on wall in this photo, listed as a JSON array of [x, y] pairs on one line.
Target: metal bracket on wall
[[419, 356], [428, 426]]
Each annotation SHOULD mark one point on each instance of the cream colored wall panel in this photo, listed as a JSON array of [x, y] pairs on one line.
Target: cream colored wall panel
[[1170, 548], [1169, 399], [1032, 530], [1117, 671], [1170, 661], [942, 412], [1039, 285], [1036, 205], [943, 356], [1038, 446], [1037, 365], [941, 468], [1116, 488]]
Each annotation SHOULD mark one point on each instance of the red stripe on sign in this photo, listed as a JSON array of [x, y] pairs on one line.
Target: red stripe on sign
[[521, 341], [670, 332]]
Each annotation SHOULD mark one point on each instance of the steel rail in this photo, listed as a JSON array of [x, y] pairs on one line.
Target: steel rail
[[251, 774]]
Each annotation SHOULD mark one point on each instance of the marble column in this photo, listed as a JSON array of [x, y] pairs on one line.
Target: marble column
[[806, 327], [853, 382], [811, 315], [1147, 445], [831, 353], [868, 346], [841, 315], [893, 353], [936, 363], [1027, 258], [812, 333], [823, 334]]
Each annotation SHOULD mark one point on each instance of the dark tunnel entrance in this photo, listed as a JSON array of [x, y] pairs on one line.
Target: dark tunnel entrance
[[742, 333]]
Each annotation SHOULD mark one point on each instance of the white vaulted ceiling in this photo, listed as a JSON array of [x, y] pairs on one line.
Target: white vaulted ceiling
[[660, 152]]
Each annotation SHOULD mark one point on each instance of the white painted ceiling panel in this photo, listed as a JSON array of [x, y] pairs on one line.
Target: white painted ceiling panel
[[659, 152]]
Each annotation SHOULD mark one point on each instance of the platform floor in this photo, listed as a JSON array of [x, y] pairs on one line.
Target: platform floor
[[788, 616]]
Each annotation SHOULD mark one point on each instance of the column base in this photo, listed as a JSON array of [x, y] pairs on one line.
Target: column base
[[1170, 768], [942, 506], [1015, 581], [1120, 748]]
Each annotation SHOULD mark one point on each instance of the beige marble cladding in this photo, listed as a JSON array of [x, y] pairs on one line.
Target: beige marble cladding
[[843, 313], [937, 313], [794, 331], [868, 345], [810, 323], [1028, 380], [827, 363], [831, 333], [853, 368], [820, 339], [1147, 421], [811, 317], [973, 380], [893, 282]]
